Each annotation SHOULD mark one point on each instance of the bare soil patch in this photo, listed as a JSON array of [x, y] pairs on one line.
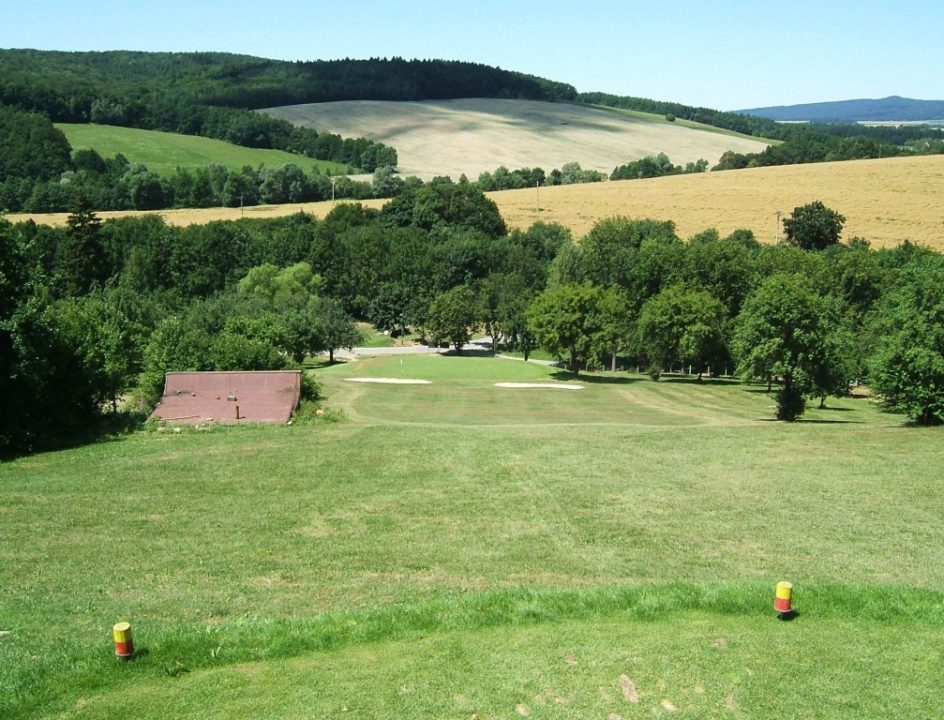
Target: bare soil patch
[[628, 688]]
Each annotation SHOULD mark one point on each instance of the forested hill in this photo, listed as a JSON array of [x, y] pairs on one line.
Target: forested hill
[[888, 109], [139, 86]]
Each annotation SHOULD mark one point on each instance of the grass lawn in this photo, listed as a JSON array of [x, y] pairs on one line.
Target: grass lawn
[[164, 152], [457, 548]]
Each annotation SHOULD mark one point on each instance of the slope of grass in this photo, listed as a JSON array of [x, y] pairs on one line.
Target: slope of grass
[[164, 152], [673, 648], [463, 541]]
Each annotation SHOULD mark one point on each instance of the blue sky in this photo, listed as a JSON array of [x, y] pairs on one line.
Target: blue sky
[[722, 54]]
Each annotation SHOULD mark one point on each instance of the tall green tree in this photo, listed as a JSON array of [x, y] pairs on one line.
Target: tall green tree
[[335, 329], [581, 321], [82, 262], [681, 326], [783, 332], [813, 226], [453, 316], [908, 368], [106, 342]]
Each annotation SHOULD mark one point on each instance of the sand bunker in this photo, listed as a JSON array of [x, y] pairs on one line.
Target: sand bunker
[[390, 381], [552, 386]]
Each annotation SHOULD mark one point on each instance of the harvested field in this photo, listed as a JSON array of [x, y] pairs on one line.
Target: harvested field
[[472, 136], [885, 201], [200, 216]]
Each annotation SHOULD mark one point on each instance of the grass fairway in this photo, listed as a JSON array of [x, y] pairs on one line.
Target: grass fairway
[[164, 152], [459, 549]]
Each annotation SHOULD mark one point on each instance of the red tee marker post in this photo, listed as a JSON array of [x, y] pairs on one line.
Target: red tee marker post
[[124, 645], [783, 600]]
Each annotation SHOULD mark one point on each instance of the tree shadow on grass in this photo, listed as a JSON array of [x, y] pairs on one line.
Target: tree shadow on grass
[[810, 421], [592, 379], [107, 428], [817, 421], [321, 364], [469, 352], [695, 381]]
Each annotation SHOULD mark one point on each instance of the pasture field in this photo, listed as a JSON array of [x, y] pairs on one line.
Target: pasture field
[[885, 201], [458, 549], [472, 136], [164, 152]]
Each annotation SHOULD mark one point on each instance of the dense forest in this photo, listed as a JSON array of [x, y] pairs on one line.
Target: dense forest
[[161, 90], [40, 173], [208, 94], [95, 310], [214, 94]]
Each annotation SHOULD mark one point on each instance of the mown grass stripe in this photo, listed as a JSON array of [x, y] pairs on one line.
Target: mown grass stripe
[[45, 681]]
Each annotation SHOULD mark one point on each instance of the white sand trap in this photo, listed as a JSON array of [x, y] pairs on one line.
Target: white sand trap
[[390, 381], [552, 386]]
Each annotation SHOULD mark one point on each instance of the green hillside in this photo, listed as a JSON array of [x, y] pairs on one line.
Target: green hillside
[[164, 152], [458, 549]]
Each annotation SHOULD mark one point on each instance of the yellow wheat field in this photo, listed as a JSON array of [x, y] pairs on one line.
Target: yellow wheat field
[[884, 201]]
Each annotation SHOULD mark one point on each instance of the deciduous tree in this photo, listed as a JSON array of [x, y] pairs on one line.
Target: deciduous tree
[[453, 316], [784, 331], [908, 369], [681, 326], [813, 226], [581, 321]]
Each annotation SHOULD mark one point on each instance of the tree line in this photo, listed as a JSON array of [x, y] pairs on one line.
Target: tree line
[[94, 310], [797, 143], [147, 87], [39, 173], [213, 94]]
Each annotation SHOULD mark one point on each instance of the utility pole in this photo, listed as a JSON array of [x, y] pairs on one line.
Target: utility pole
[[332, 189], [777, 234], [537, 190]]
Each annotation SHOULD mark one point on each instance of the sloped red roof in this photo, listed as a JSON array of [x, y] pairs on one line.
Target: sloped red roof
[[229, 398]]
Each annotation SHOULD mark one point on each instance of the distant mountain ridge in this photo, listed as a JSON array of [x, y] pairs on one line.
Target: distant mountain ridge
[[851, 111]]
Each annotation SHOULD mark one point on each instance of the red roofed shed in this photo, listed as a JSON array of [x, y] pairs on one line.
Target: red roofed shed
[[229, 398]]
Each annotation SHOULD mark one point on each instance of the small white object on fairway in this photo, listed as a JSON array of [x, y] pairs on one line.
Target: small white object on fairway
[[552, 386], [390, 381]]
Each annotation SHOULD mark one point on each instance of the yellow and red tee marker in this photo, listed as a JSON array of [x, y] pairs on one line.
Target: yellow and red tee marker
[[124, 644], [783, 598]]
